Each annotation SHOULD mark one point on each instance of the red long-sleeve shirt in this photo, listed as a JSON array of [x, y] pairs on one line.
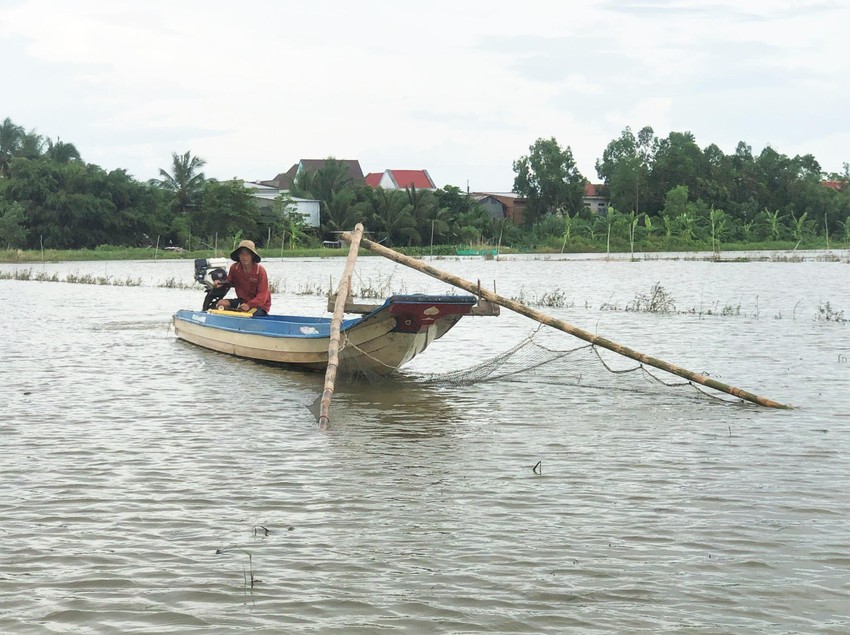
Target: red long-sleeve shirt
[[251, 286]]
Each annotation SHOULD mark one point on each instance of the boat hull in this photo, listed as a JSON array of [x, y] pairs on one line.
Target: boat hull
[[379, 342]]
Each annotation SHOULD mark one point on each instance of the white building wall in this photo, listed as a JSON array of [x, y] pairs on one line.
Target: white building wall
[[387, 181], [310, 210]]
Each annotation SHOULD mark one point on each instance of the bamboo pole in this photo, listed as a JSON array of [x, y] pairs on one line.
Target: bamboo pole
[[336, 321], [548, 320]]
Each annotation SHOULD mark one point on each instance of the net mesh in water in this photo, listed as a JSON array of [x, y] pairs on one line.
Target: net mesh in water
[[583, 367]]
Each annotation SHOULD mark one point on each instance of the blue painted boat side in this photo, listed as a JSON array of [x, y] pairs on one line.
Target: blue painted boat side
[[299, 326], [288, 326]]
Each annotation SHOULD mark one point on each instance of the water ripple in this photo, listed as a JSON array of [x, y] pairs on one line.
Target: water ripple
[[140, 493]]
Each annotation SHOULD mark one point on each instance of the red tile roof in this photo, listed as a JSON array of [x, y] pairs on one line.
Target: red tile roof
[[593, 189], [373, 179], [412, 178]]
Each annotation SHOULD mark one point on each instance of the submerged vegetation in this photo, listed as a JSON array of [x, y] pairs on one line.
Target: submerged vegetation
[[657, 300], [71, 278], [828, 313]]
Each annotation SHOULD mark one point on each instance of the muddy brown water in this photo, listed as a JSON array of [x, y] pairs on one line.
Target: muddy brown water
[[151, 486]]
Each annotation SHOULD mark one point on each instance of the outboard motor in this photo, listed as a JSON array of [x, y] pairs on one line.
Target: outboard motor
[[207, 272]]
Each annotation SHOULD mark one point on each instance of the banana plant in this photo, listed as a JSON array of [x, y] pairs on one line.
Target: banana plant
[[717, 218], [774, 223], [632, 219], [799, 227], [569, 222]]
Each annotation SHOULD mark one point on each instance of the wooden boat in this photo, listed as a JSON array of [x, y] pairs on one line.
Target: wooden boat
[[380, 341]]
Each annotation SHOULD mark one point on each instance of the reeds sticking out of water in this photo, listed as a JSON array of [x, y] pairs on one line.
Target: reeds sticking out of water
[[657, 300], [71, 278]]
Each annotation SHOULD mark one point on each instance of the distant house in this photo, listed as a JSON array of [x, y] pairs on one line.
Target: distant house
[[595, 198], [502, 205], [834, 185], [264, 195], [510, 205], [401, 179], [283, 181]]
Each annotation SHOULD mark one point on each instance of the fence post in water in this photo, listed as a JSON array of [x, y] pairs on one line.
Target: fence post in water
[[336, 321], [548, 320]]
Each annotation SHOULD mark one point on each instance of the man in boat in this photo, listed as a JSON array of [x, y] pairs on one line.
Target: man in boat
[[250, 281]]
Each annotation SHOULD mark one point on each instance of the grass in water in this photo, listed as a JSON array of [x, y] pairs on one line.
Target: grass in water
[[827, 313], [658, 300]]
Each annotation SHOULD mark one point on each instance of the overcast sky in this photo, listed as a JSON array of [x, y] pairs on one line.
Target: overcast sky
[[461, 88]]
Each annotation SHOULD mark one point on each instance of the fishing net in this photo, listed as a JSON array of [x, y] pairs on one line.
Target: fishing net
[[585, 367]]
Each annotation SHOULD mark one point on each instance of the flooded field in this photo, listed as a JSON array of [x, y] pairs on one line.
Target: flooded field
[[151, 486]]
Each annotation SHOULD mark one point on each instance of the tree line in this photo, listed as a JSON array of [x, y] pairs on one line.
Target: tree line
[[663, 193], [670, 193], [50, 198]]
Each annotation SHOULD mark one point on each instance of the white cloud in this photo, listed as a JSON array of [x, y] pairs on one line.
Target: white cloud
[[459, 88]]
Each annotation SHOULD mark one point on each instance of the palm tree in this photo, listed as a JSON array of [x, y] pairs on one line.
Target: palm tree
[[331, 178], [331, 185], [339, 212], [185, 181], [11, 136], [305, 185], [62, 152], [322, 183], [32, 145], [474, 223], [431, 220], [389, 213]]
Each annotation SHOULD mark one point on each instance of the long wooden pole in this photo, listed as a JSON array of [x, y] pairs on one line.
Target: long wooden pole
[[336, 321], [548, 320]]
